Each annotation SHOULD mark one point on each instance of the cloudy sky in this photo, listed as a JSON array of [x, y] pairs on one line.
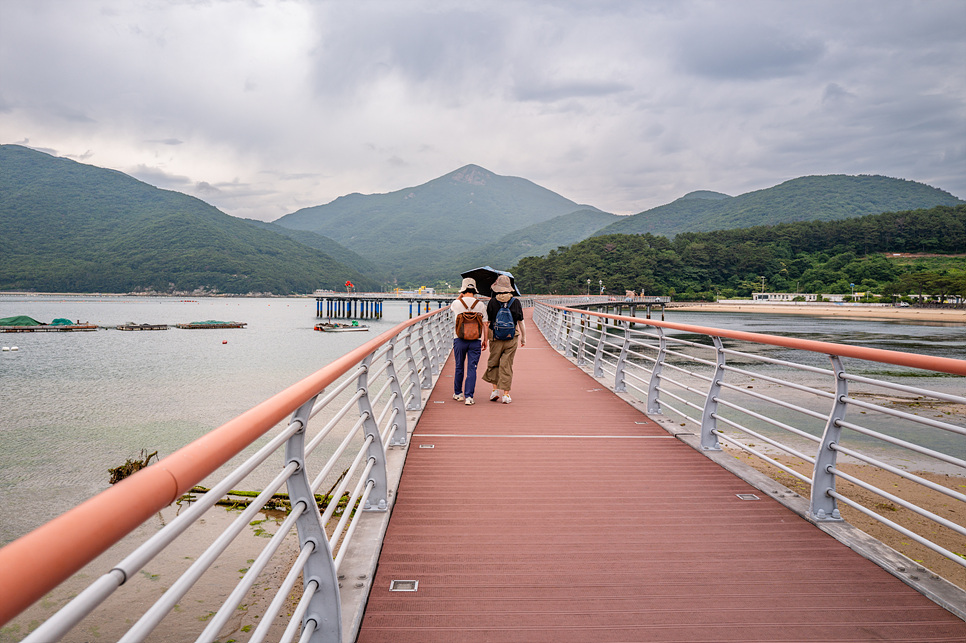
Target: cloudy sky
[[264, 107]]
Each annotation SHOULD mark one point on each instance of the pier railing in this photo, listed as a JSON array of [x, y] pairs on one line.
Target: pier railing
[[820, 403], [361, 401]]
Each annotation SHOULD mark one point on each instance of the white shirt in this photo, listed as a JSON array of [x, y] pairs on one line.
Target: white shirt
[[459, 307]]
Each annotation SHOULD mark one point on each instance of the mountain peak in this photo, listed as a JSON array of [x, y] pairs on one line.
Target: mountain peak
[[705, 194], [472, 174]]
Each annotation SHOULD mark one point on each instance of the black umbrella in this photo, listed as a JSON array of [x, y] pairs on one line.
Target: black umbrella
[[485, 276]]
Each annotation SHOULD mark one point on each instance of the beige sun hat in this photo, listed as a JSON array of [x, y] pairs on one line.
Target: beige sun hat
[[502, 284], [468, 284]]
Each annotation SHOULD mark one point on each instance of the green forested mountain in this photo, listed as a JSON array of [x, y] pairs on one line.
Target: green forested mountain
[[70, 227], [818, 198], [811, 256], [538, 239], [330, 247], [418, 231]]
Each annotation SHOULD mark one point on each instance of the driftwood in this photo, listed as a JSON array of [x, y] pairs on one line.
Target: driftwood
[[239, 499], [130, 467]]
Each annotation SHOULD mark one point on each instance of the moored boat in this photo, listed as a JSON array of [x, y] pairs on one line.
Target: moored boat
[[337, 327]]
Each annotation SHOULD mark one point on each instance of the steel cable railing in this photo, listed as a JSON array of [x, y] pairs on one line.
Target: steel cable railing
[[369, 391], [744, 398]]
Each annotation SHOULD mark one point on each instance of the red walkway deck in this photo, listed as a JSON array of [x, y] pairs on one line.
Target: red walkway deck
[[568, 516]]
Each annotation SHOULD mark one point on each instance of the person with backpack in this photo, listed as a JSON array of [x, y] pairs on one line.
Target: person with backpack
[[469, 340], [507, 331]]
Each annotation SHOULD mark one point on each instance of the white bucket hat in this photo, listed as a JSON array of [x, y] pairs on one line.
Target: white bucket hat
[[468, 284]]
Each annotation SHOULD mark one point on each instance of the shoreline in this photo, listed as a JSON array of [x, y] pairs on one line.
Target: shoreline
[[948, 315]]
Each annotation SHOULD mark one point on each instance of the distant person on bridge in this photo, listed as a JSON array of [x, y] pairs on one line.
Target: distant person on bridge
[[504, 338], [469, 339]]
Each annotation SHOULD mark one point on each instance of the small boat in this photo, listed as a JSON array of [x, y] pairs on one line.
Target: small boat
[[211, 323], [336, 327]]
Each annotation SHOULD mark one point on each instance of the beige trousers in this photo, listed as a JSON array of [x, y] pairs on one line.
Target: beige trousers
[[499, 364]]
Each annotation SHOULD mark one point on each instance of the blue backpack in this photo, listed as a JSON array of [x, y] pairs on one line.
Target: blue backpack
[[503, 326]]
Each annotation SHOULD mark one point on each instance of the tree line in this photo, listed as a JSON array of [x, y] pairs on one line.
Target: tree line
[[804, 257]]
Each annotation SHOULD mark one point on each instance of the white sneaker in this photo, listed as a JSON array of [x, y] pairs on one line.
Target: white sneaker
[[506, 398], [469, 401], [495, 395], [458, 397]]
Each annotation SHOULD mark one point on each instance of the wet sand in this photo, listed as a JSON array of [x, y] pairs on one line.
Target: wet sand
[[830, 310]]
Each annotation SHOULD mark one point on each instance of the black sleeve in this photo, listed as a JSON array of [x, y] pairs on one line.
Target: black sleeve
[[516, 309], [491, 307]]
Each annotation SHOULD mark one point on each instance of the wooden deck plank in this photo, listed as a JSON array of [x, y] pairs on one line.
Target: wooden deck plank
[[568, 516]]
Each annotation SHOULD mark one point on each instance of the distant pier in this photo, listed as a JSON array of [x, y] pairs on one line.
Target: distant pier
[[369, 305], [605, 305]]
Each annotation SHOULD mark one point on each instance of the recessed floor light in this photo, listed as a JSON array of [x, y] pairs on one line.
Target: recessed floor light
[[403, 585]]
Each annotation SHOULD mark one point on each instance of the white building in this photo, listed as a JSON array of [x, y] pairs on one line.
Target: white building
[[783, 296]]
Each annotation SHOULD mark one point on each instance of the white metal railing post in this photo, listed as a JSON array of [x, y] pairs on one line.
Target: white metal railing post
[[599, 353], [653, 394], [426, 379], [561, 318], [582, 341], [709, 419], [444, 339], [380, 491], [431, 329], [823, 506], [400, 430], [325, 606], [566, 343], [619, 385], [415, 402]]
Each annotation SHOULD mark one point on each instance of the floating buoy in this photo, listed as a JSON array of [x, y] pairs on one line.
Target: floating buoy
[[6, 348], [224, 341], [15, 348]]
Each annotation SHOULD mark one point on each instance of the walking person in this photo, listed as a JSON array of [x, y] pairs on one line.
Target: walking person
[[507, 331], [469, 340]]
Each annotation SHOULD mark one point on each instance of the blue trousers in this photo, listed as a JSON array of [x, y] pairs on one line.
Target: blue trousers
[[468, 352]]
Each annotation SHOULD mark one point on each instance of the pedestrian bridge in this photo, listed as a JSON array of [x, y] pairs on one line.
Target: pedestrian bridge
[[603, 504]]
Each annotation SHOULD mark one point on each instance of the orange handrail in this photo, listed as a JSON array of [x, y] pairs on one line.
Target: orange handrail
[[897, 358], [37, 562]]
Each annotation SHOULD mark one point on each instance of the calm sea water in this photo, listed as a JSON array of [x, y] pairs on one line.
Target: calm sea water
[[73, 405]]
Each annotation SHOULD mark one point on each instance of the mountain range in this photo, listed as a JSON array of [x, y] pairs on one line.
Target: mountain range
[[421, 231], [809, 198], [71, 227]]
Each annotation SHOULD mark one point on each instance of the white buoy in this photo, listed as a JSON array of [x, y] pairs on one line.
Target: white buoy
[[6, 348], [14, 348]]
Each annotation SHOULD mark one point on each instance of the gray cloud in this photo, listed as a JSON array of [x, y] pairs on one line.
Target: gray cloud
[[549, 93], [263, 108], [750, 54], [166, 141]]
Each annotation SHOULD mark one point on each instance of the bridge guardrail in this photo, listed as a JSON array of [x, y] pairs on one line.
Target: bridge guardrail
[[364, 397], [817, 414]]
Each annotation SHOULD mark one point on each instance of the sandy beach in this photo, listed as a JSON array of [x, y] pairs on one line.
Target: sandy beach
[[830, 310]]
